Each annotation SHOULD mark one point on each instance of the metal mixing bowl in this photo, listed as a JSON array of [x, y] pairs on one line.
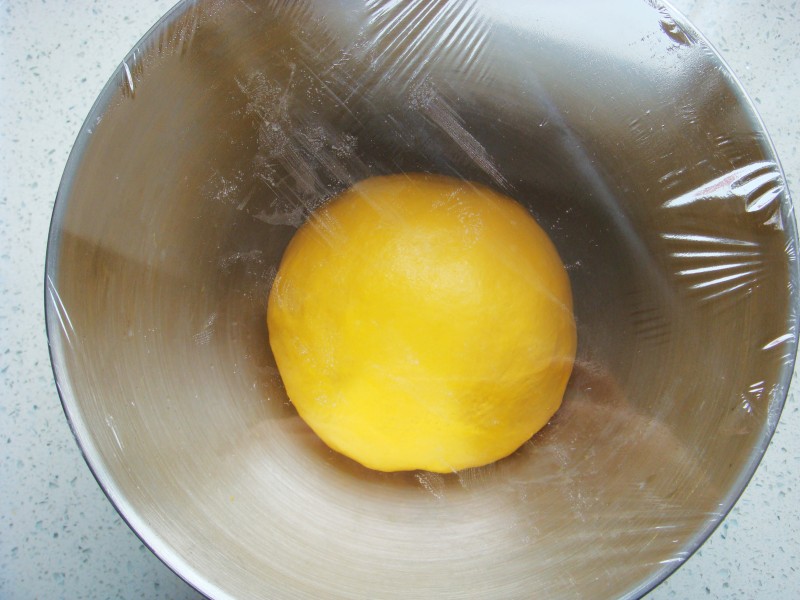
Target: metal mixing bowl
[[622, 132]]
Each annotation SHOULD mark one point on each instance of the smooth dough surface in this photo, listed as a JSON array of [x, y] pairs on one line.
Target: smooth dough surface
[[422, 322]]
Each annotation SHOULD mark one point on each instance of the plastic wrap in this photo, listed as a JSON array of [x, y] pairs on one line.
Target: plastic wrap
[[621, 132]]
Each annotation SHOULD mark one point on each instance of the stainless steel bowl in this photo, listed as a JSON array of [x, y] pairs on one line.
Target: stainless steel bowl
[[622, 132]]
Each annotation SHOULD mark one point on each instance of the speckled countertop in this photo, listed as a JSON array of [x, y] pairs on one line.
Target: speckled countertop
[[59, 536]]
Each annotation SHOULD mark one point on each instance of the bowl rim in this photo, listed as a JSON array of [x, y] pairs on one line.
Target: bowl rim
[[57, 322]]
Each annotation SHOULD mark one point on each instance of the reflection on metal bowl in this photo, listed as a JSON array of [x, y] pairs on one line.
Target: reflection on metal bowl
[[620, 130]]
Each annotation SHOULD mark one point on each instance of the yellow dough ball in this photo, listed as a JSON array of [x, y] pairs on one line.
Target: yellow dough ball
[[422, 322]]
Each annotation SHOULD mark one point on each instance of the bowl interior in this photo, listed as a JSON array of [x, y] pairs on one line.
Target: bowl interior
[[622, 133]]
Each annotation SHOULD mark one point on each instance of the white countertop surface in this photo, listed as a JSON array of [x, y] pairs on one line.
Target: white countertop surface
[[59, 535]]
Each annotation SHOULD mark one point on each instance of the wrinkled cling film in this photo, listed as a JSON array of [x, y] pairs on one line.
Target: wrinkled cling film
[[618, 129]]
